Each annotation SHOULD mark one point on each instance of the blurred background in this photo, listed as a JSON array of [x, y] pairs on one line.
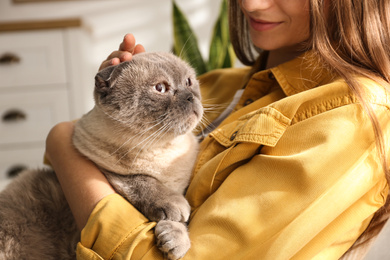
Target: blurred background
[[50, 51]]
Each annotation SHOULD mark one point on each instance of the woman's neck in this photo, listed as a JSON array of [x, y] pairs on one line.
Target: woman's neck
[[277, 57]]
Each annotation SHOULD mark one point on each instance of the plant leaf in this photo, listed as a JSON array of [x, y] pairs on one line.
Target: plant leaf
[[185, 42], [221, 55], [230, 57]]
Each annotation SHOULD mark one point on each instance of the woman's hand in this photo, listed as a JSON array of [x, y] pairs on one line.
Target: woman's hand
[[127, 49], [81, 181]]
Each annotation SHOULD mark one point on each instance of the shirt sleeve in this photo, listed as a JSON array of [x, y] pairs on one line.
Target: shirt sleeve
[[116, 230]]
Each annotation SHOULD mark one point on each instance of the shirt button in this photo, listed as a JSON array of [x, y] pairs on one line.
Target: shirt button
[[248, 101], [233, 136], [271, 75]]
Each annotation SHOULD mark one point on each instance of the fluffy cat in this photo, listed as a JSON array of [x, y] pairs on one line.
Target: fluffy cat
[[140, 135]]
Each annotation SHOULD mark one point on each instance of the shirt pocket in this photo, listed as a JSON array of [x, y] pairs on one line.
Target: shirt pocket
[[264, 127], [233, 145]]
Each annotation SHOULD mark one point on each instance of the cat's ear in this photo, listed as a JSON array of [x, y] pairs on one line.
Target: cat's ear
[[103, 81]]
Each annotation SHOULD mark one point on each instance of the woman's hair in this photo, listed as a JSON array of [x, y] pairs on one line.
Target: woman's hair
[[239, 35], [351, 37]]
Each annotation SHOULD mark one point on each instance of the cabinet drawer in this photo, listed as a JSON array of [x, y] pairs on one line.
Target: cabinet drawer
[[32, 58], [28, 116], [12, 159]]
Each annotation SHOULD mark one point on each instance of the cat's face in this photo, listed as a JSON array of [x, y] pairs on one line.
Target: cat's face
[[152, 92]]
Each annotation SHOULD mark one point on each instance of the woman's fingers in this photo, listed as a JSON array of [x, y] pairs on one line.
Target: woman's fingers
[[139, 48], [120, 55], [108, 63], [128, 43], [115, 58], [127, 49]]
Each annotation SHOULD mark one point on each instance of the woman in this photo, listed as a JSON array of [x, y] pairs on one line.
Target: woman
[[296, 170]]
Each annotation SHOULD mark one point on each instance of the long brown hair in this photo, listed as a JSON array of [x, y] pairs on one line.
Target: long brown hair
[[351, 37]]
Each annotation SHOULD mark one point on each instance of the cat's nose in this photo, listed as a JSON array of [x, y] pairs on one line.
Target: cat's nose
[[190, 97]]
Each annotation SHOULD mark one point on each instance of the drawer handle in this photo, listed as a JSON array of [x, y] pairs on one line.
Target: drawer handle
[[9, 58], [14, 115], [15, 170]]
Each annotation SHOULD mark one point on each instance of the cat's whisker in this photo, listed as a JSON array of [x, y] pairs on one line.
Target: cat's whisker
[[131, 149], [205, 126], [161, 118], [128, 141], [207, 106], [209, 100], [140, 134], [112, 117], [147, 140], [160, 133], [205, 122], [126, 122], [184, 45], [214, 107]]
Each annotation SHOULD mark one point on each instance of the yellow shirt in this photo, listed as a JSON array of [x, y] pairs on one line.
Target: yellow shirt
[[292, 173]]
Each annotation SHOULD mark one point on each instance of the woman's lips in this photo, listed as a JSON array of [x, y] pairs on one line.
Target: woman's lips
[[260, 25]]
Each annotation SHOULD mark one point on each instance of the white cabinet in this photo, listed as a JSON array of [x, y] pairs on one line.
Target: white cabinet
[[15, 158], [34, 95], [29, 115], [38, 58]]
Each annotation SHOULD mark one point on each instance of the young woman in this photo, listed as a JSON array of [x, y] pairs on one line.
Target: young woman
[[299, 167]]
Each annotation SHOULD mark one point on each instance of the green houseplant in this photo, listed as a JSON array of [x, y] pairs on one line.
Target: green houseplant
[[221, 54]]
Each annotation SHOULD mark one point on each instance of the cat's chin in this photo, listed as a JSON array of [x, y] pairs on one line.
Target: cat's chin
[[198, 116], [187, 128]]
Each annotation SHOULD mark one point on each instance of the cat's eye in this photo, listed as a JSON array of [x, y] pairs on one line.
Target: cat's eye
[[161, 87], [188, 82]]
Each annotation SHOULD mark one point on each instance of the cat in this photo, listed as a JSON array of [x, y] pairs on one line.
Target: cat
[[139, 134]]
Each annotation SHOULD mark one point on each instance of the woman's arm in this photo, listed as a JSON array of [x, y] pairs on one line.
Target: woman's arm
[[83, 184]]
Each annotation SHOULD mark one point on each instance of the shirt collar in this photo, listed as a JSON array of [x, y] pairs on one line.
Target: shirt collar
[[302, 73]]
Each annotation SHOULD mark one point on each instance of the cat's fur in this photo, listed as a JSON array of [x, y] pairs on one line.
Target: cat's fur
[[139, 134]]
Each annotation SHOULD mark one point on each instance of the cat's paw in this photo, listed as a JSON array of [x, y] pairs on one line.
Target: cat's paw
[[175, 208], [172, 238]]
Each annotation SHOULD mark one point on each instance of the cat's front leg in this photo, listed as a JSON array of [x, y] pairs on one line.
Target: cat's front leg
[[158, 203], [151, 197], [172, 238]]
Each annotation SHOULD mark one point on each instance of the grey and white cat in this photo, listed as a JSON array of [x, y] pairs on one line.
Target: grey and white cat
[[140, 135]]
